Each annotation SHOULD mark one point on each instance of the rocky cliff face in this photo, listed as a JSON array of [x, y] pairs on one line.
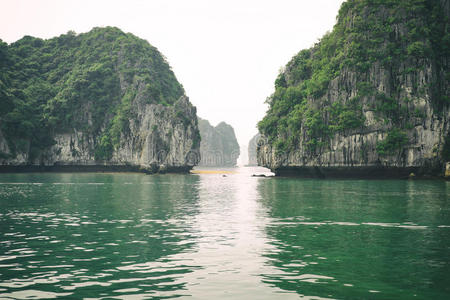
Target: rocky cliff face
[[114, 104], [370, 99], [157, 141], [252, 153], [218, 147]]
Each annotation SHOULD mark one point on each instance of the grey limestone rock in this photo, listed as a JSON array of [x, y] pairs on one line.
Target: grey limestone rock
[[218, 147]]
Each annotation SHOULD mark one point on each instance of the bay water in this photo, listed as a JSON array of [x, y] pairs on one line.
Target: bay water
[[222, 235]]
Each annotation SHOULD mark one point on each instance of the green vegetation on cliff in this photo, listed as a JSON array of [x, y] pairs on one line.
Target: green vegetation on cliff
[[400, 37], [83, 82]]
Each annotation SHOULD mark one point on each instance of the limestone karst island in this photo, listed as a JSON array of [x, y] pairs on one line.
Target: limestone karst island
[[370, 99], [98, 100], [225, 149]]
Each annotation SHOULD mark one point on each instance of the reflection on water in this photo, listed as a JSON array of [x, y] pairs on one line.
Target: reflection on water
[[231, 239], [209, 236]]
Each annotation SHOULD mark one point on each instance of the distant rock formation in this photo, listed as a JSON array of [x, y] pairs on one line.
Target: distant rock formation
[[218, 146], [252, 145]]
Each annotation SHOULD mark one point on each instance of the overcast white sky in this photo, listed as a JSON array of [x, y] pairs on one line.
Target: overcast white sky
[[225, 53]]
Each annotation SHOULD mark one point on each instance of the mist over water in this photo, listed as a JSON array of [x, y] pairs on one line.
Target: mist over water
[[213, 237]]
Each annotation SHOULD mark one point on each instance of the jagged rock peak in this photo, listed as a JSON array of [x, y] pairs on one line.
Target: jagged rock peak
[[219, 146]]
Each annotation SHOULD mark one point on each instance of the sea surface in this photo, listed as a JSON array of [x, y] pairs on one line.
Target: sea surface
[[222, 235]]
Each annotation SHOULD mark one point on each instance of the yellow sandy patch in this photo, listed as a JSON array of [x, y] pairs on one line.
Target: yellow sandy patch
[[212, 172]]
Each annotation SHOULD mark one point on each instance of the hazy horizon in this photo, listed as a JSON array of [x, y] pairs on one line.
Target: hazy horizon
[[225, 54]]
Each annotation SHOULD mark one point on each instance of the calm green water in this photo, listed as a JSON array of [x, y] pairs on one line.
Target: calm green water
[[213, 237]]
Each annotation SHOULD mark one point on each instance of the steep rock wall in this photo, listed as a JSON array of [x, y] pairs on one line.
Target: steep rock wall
[[157, 141], [218, 146], [382, 112], [252, 153]]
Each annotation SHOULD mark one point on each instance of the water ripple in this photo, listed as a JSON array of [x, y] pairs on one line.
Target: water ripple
[[127, 236]]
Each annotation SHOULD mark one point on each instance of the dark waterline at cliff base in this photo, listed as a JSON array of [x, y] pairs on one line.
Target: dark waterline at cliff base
[[91, 169], [372, 172], [205, 236], [299, 172]]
